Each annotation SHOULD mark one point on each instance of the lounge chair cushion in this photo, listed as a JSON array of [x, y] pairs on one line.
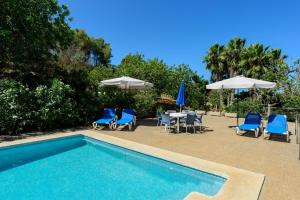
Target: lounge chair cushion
[[277, 124], [123, 121], [249, 127], [104, 121]]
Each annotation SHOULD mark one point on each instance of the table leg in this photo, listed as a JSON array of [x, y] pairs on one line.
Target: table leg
[[178, 125]]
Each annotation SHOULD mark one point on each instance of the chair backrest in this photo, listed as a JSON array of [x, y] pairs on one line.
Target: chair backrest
[[253, 118], [199, 117], [190, 118], [278, 121], [109, 113], [128, 113], [165, 118]]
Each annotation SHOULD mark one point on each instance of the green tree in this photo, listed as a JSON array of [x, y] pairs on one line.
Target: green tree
[[83, 52], [32, 32]]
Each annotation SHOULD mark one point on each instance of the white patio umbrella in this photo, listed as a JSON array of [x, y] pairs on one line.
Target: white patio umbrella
[[240, 82], [126, 82]]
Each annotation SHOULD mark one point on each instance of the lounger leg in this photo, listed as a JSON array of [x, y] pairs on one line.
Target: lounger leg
[[287, 137], [94, 125], [237, 131], [256, 132], [130, 126], [265, 135]]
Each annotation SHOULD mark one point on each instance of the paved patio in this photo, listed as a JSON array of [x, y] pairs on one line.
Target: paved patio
[[275, 158]]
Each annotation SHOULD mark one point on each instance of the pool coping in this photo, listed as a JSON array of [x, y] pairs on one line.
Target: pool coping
[[240, 184]]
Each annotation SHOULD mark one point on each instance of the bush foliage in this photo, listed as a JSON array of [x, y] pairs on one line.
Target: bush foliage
[[51, 74]]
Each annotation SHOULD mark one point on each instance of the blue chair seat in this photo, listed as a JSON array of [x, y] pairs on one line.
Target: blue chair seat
[[249, 127], [276, 130], [104, 121], [124, 121]]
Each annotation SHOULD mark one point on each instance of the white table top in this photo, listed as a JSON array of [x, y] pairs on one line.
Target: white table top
[[178, 115]]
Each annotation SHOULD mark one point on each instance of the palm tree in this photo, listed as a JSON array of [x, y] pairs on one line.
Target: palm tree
[[254, 61], [233, 53], [215, 62]]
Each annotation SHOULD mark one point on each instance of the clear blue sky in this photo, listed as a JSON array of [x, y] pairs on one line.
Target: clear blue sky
[[181, 31]]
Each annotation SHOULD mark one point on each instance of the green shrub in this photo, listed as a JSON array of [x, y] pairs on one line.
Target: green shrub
[[291, 107], [245, 106], [15, 107], [55, 106], [144, 103]]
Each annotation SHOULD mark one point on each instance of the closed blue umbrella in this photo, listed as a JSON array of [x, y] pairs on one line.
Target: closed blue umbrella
[[180, 101]]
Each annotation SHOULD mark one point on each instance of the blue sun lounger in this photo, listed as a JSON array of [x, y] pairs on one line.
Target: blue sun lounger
[[277, 125], [252, 123], [127, 119], [108, 117]]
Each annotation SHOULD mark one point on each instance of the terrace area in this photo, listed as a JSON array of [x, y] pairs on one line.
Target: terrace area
[[275, 158]]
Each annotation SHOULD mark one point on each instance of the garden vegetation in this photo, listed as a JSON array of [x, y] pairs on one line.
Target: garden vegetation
[[50, 74]]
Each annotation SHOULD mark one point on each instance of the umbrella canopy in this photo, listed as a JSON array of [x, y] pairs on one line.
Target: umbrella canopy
[[180, 101], [126, 82], [240, 82]]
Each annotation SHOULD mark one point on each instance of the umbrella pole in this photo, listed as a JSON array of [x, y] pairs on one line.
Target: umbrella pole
[[237, 109]]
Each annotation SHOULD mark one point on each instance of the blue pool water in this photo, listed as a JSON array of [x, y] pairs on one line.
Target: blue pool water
[[79, 167]]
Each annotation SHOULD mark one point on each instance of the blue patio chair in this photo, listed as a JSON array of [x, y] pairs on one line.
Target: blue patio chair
[[190, 121], [277, 125], [252, 123], [167, 121], [158, 117], [127, 119], [199, 121], [109, 115]]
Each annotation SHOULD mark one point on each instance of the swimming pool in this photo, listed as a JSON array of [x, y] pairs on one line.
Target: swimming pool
[[79, 167]]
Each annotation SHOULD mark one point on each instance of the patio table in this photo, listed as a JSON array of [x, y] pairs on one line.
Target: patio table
[[178, 116]]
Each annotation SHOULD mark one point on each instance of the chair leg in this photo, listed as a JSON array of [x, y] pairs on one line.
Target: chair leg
[[287, 137], [194, 129]]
